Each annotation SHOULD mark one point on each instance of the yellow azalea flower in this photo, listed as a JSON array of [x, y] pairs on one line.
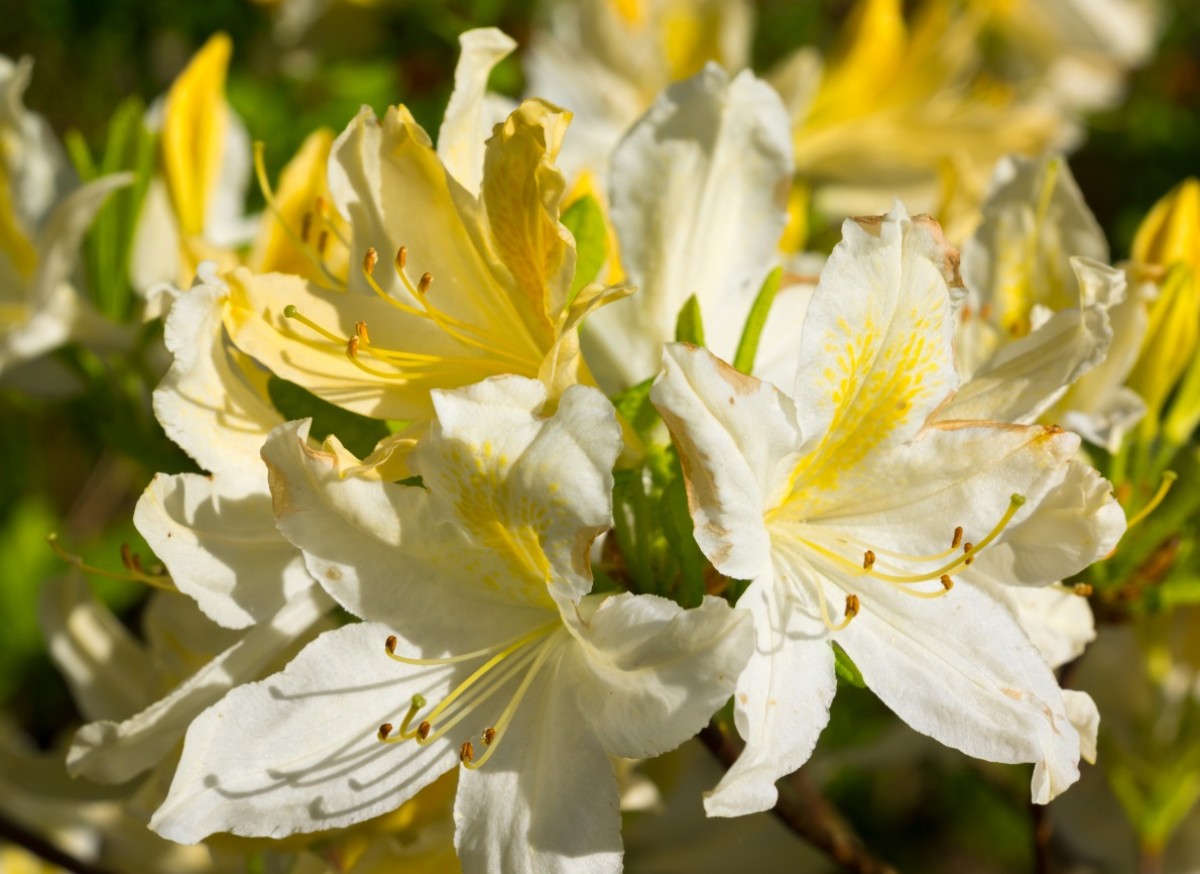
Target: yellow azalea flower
[[444, 289], [900, 104], [1167, 251], [194, 209]]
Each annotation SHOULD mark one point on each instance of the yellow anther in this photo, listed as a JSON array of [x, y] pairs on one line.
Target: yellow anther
[[466, 753], [868, 560], [370, 260], [352, 346], [360, 331], [1083, 590], [426, 281], [947, 583]]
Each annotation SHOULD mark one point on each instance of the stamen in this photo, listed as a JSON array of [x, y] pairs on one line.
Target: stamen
[[370, 260], [489, 735], [385, 730], [290, 312], [322, 243], [507, 716], [360, 328], [401, 258], [426, 281], [507, 646], [1083, 590], [868, 560], [466, 753], [132, 564], [958, 536], [389, 645], [1168, 480], [947, 583], [423, 730], [306, 227], [852, 606]]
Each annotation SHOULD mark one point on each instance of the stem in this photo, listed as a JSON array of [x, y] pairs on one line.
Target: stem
[[1043, 831], [1150, 860], [804, 810], [17, 834]]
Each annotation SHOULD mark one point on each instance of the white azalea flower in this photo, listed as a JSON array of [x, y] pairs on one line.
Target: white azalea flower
[[478, 582], [699, 193], [1039, 310], [854, 516], [43, 219]]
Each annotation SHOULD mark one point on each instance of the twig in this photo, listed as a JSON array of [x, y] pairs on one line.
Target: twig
[[804, 810], [17, 834]]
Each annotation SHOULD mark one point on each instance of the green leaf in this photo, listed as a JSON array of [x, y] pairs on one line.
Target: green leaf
[[677, 524], [747, 347], [358, 433], [634, 406], [846, 669], [585, 220], [689, 326]]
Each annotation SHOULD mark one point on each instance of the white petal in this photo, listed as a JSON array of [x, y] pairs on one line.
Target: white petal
[[1086, 718], [109, 673], [299, 751], [222, 550], [649, 674], [737, 438], [115, 752], [468, 122], [959, 669], [699, 198], [547, 801], [1078, 522], [1025, 377], [1058, 622], [533, 492], [376, 548], [876, 354], [205, 403], [782, 700]]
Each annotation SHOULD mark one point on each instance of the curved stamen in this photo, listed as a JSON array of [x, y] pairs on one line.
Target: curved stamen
[[133, 564]]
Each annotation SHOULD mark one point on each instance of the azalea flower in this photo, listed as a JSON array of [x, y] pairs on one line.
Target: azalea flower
[[858, 517], [1044, 309], [483, 646], [441, 294], [194, 211], [44, 215], [698, 195], [609, 61]]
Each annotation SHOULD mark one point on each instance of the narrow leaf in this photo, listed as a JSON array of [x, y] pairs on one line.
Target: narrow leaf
[[747, 347]]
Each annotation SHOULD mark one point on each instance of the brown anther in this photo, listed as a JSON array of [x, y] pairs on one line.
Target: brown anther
[[967, 547], [958, 535], [489, 735], [423, 730], [985, 311], [968, 560], [322, 243], [360, 331], [426, 281], [390, 644], [130, 559], [352, 346], [306, 227], [947, 583], [466, 753], [966, 313], [370, 260], [1083, 590], [385, 730], [868, 560], [852, 606], [401, 257]]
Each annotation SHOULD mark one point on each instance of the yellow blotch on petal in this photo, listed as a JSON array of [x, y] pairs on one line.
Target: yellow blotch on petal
[[193, 136], [14, 244]]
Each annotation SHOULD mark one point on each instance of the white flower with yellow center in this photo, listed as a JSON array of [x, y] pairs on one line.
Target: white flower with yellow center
[[484, 648], [858, 520]]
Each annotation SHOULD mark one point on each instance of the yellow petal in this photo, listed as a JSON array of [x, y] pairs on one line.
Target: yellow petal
[[193, 133], [1170, 232]]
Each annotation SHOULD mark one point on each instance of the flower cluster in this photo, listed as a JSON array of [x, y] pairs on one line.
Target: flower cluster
[[524, 454]]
